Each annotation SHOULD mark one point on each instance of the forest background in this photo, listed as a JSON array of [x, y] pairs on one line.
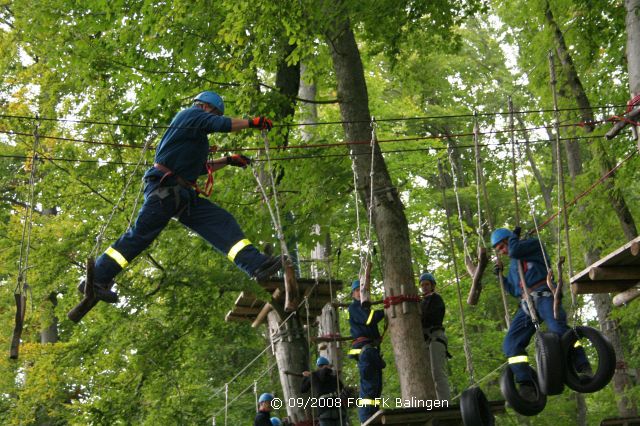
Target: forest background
[[96, 80]]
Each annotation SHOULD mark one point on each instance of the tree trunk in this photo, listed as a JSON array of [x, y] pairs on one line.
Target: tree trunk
[[388, 216], [633, 45], [50, 333], [308, 91], [329, 325], [292, 355]]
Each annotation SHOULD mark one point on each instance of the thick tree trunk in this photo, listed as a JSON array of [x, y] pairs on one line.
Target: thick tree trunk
[[292, 355], [633, 44], [308, 91], [388, 216], [329, 325]]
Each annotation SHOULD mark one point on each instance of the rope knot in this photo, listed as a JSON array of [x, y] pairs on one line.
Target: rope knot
[[396, 300]]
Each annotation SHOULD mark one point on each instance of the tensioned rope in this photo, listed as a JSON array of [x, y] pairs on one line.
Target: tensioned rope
[[311, 146], [317, 123], [466, 347], [106, 224]]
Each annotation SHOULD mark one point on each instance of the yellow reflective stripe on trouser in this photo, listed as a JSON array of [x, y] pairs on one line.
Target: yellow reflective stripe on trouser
[[370, 317], [236, 248], [117, 256], [368, 401], [354, 352], [518, 359]]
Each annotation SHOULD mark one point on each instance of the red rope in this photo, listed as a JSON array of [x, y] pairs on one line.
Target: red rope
[[395, 300], [633, 103]]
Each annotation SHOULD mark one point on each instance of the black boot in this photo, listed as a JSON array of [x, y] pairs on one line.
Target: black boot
[[101, 292], [268, 268]]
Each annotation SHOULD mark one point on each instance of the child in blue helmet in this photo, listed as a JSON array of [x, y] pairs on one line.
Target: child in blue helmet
[[263, 418], [326, 387], [534, 261], [170, 191]]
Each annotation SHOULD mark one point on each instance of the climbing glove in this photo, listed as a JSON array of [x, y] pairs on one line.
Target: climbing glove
[[517, 230], [497, 268], [260, 123], [238, 160]]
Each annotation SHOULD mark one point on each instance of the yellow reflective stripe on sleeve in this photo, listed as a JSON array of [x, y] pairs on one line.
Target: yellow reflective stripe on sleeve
[[370, 317], [236, 248], [368, 401], [577, 344], [117, 256], [518, 359], [354, 352]]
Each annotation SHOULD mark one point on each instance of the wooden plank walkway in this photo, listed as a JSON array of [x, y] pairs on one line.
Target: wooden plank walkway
[[248, 307], [619, 271], [415, 416]]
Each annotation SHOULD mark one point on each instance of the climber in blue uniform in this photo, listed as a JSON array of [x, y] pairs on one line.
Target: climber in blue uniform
[[532, 255], [365, 348], [171, 191]]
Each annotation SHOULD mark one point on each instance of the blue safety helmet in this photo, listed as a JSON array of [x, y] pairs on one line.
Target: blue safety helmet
[[322, 361], [265, 397], [275, 421], [355, 284], [426, 276], [499, 235], [211, 98]]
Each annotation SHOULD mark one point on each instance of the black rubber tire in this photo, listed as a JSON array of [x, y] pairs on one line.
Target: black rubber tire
[[513, 398], [550, 362], [606, 360], [475, 408]]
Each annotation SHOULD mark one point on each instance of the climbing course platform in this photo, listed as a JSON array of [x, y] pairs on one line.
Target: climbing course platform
[[619, 271], [421, 416], [248, 307]]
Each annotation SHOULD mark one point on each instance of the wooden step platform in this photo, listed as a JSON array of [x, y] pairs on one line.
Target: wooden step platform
[[621, 421], [419, 416], [617, 272], [248, 307]]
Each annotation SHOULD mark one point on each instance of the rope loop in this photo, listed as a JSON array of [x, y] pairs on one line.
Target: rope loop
[[396, 300]]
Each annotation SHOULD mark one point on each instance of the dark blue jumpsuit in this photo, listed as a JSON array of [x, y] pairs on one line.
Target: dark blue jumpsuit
[[364, 329], [522, 329], [183, 149]]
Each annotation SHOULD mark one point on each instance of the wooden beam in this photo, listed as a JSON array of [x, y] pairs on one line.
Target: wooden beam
[[246, 310], [231, 316], [593, 287], [612, 273], [626, 296], [613, 132], [316, 339], [262, 315]]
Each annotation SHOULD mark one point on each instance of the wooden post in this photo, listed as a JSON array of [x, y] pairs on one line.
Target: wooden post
[[330, 326], [625, 297]]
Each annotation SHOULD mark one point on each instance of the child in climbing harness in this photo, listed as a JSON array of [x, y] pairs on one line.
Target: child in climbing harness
[[533, 259], [171, 191], [365, 348], [433, 309]]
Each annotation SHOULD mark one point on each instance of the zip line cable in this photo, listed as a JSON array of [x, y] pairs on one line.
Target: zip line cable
[[324, 145], [318, 123]]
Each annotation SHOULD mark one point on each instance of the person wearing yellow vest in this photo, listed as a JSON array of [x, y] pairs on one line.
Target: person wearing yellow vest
[[363, 322]]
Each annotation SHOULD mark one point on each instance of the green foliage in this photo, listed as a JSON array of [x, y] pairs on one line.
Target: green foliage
[[165, 354]]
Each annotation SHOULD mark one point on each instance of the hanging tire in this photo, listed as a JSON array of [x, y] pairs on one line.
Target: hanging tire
[[606, 360], [475, 408], [550, 361], [513, 398]]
